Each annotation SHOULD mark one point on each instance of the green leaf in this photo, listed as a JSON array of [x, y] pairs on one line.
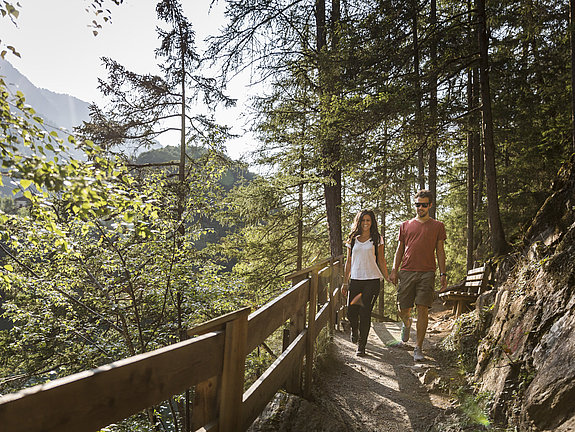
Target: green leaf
[[25, 183]]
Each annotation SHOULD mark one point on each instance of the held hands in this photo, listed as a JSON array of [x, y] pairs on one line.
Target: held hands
[[344, 289], [393, 276]]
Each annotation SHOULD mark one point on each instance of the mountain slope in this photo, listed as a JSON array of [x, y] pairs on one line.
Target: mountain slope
[[58, 110]]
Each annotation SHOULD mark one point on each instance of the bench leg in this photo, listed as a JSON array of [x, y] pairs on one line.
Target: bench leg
[[459, 309]]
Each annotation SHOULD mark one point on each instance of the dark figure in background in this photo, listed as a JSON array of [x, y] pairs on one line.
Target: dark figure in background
[[364, 268]]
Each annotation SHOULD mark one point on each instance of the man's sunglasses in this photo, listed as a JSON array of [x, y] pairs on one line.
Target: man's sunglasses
[[424, 205]]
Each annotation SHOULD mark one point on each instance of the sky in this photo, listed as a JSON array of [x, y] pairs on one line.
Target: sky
[[60, 53]]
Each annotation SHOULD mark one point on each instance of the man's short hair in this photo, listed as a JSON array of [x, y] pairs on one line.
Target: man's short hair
[[424, 193]]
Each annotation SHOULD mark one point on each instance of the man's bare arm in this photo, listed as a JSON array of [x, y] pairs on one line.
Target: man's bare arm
[[397, 261], [440, 252]]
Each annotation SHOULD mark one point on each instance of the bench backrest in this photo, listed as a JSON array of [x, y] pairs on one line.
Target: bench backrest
[[477, 279]]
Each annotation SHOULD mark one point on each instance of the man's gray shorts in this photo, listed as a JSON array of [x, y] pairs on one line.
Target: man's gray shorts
[[415, 288]]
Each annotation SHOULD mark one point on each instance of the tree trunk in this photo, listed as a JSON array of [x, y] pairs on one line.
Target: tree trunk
[[433, 108], [332, 195], [407, 191], [417, 78], [299, 261], [478, 162], [470, 158], [320, 39], [498, 243], [330, 144], [470, 186], [383, 223], [181, 191], [182, 228]]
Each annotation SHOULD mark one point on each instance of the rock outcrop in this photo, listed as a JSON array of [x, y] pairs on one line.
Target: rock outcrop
[[526, 359]]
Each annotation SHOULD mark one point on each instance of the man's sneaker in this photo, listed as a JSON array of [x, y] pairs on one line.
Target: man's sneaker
[[354, 336], [405, 329], [418, 354], [360, 351]]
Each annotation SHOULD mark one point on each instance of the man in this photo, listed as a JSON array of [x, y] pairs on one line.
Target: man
[[419, 240]]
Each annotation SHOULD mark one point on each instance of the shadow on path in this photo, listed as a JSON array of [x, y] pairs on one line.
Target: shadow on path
[[381, 392]]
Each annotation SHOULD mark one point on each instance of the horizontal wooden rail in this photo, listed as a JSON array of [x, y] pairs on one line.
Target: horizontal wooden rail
[[216, 324], [213, 363], [90, 400], [263, 390], [268, 318], [320, 264]]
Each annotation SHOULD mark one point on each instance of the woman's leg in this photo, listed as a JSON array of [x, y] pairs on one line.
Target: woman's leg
[[353, 308], [370, 290]]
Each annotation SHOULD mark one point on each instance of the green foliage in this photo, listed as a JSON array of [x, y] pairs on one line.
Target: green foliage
[[99, 267], [264, 246], [463, 341], [475, 409], [108, 281]]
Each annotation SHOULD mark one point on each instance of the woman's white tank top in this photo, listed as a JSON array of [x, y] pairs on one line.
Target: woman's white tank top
[[363, 265]]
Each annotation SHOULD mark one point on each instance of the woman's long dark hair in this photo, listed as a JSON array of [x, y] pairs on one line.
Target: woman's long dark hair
[[356, 227]]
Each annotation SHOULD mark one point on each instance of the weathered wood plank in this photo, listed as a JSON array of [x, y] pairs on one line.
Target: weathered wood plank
[[297, 326], [293, 383], [474, 283], [476, 270], [205, 403], [458, 296], [216, 324], [321, 319], [233, 372], [269, 317], [310, 340], [92, 399], [323, 284], [318, 265]]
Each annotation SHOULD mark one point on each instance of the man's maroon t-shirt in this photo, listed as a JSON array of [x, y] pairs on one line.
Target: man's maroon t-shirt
[[420, 240]]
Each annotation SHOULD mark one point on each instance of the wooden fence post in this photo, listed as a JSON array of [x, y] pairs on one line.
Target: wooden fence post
[[204, 404], [332, 298], [310, 339], [296, 326], [232, 388], [341, 301]]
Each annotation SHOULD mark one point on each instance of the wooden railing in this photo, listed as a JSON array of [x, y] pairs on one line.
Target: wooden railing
[[213, 363]]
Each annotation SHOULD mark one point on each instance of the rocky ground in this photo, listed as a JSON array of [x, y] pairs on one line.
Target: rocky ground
[[384, 391]]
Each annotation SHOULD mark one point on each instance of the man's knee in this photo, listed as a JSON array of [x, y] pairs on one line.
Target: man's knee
[[404, 312], [422, 309]]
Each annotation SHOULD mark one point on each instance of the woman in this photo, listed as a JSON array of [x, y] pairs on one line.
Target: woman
[[364, 268]]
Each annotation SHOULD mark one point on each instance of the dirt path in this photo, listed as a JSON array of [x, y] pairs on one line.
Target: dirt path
[[384, 391]]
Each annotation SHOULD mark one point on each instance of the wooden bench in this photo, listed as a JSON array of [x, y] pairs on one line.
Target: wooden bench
[[465, 293]]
